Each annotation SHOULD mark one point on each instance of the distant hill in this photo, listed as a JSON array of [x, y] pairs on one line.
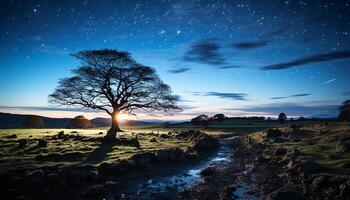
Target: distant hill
[[8, 120]]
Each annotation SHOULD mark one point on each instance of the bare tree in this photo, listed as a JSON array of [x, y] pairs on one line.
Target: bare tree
[[344, 114], [111, 81], [282, 117]]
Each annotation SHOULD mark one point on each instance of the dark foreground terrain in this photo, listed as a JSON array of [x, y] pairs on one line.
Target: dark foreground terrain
[[308, 162], [289, 162]]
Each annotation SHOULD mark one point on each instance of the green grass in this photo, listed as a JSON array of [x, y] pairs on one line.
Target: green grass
[[90, 152], [318, 142]]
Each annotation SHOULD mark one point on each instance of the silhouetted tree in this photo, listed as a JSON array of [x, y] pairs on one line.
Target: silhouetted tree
[[112, 81], [200, 120], [282, 117], [80, 122], [219, 117], [33, 121], [344, 114]]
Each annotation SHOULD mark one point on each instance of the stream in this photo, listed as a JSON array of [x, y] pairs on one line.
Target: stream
[[165, 180]]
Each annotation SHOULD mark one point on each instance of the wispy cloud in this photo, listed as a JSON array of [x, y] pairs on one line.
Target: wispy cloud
[[179, 70], [45, 48], [250, 45], [274, 33], [222, 95], [229, 67], [294, 109], [206, 51], [291, 96], [228, 95], [329, 81], [309, 59]]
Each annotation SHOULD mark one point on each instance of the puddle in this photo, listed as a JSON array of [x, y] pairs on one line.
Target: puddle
[[170, 179]]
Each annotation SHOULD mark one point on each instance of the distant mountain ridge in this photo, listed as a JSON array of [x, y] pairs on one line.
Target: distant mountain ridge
[[8, 120]]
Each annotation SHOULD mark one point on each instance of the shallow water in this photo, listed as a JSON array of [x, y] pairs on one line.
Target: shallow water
[[165, 179]]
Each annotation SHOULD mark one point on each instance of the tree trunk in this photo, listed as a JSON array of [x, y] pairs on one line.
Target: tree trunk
[[112, 132]]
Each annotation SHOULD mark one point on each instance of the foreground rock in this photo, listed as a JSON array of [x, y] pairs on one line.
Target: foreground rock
[[343, 144], [286, 193], [205, 143]]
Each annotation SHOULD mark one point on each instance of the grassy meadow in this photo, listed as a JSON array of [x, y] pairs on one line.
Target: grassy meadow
[[82, 147]]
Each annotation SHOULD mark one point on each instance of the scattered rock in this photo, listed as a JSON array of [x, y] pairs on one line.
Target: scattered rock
[[100, 133], [205, 143], [169, 154], [42, 143], [209, 171], [12, 136], [343, 144], [190, 135], [307, 167], [273, 133], [143, 159], [280, 151], [345, 191], [153, 140], [286, 193], [22, 143], [61, 135], [164, 136]]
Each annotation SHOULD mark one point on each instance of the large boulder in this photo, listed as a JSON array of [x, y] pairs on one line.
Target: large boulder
[[61, 135], [205, 143], [80, 122], [114, 169], [286, 193], [280, 151], [307, 167], [42, 143], [273, 133], [143, 159], [343, 144], [169, 154], [33, 121], [189, 135]]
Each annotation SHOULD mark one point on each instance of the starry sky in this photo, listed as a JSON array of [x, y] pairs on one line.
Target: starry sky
[[239, 58]]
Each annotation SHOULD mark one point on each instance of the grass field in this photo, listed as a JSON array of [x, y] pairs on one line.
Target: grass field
[[65, 152], [87, 150], [317, 142]]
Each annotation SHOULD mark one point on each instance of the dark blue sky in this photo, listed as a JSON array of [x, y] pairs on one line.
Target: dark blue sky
[[235, 57]]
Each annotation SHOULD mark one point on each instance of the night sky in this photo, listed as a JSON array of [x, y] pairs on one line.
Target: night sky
[[235, 57]]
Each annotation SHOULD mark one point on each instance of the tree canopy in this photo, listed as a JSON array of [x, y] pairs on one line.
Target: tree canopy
[[112, 81]]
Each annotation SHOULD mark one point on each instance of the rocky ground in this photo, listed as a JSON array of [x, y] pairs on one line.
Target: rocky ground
[[286, 163], [85, 181], [309, 162]]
